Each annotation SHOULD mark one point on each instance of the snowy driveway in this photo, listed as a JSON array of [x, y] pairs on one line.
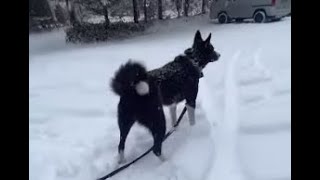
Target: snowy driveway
[[243, 128]]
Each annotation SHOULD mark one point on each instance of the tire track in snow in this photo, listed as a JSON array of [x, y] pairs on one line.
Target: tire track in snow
[[255, 80], [255, 72], [225, 165]]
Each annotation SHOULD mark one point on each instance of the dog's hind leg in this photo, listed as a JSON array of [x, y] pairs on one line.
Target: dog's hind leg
[[173, 113], [158, 131], [125, 125], [158, 138]]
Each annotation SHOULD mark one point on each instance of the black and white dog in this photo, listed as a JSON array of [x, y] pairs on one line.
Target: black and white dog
[[143, 93]]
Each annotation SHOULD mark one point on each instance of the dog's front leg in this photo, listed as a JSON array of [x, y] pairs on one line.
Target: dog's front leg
[[173, 113], [191, 114], [191, 96]]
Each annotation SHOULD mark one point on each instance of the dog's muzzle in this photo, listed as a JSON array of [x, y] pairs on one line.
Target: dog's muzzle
[[216, 56]]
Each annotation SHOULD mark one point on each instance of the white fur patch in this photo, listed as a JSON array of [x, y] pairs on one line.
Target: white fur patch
[[173, 113], [162, 158], [191, 115], [121, 157], [142, 88]]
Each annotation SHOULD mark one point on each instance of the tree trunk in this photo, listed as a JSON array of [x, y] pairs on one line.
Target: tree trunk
[[204, 4], [52, 13], [160, 9], [73, 19], [40, 8], [186, 7], [106, 16], [145, 10], [135, 11], [178, 7], [67, 3], [75, 14], [68, 21]]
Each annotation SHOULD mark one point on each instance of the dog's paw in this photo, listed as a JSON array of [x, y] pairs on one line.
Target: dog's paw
[[121, 158], [173, 124], [121, 161], [175, 128], [162, 158], [192, 123]]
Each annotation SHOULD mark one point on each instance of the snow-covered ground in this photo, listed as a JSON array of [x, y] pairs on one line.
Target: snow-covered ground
[[243, 116]]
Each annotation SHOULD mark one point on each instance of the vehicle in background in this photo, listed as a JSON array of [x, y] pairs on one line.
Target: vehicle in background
[[258, 10]]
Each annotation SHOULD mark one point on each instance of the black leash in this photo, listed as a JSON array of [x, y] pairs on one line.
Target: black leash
[[142, 155]]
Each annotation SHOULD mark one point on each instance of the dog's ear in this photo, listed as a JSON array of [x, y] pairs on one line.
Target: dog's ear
[[188, 51], [208, 38], [197, 38], [207, 41]]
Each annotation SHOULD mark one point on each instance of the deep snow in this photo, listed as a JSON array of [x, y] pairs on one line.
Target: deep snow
[[243, 116]]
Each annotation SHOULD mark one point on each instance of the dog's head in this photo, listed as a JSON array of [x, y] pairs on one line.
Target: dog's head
[[203, 51]]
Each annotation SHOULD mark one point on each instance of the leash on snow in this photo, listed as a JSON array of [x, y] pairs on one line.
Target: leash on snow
[[147, 152]]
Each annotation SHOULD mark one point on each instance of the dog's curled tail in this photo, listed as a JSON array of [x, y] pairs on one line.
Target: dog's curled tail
[[130, 78]]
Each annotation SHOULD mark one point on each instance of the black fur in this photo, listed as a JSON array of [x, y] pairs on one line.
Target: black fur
[[179, 79], [174, 82], [127, 77], [146, 110]]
